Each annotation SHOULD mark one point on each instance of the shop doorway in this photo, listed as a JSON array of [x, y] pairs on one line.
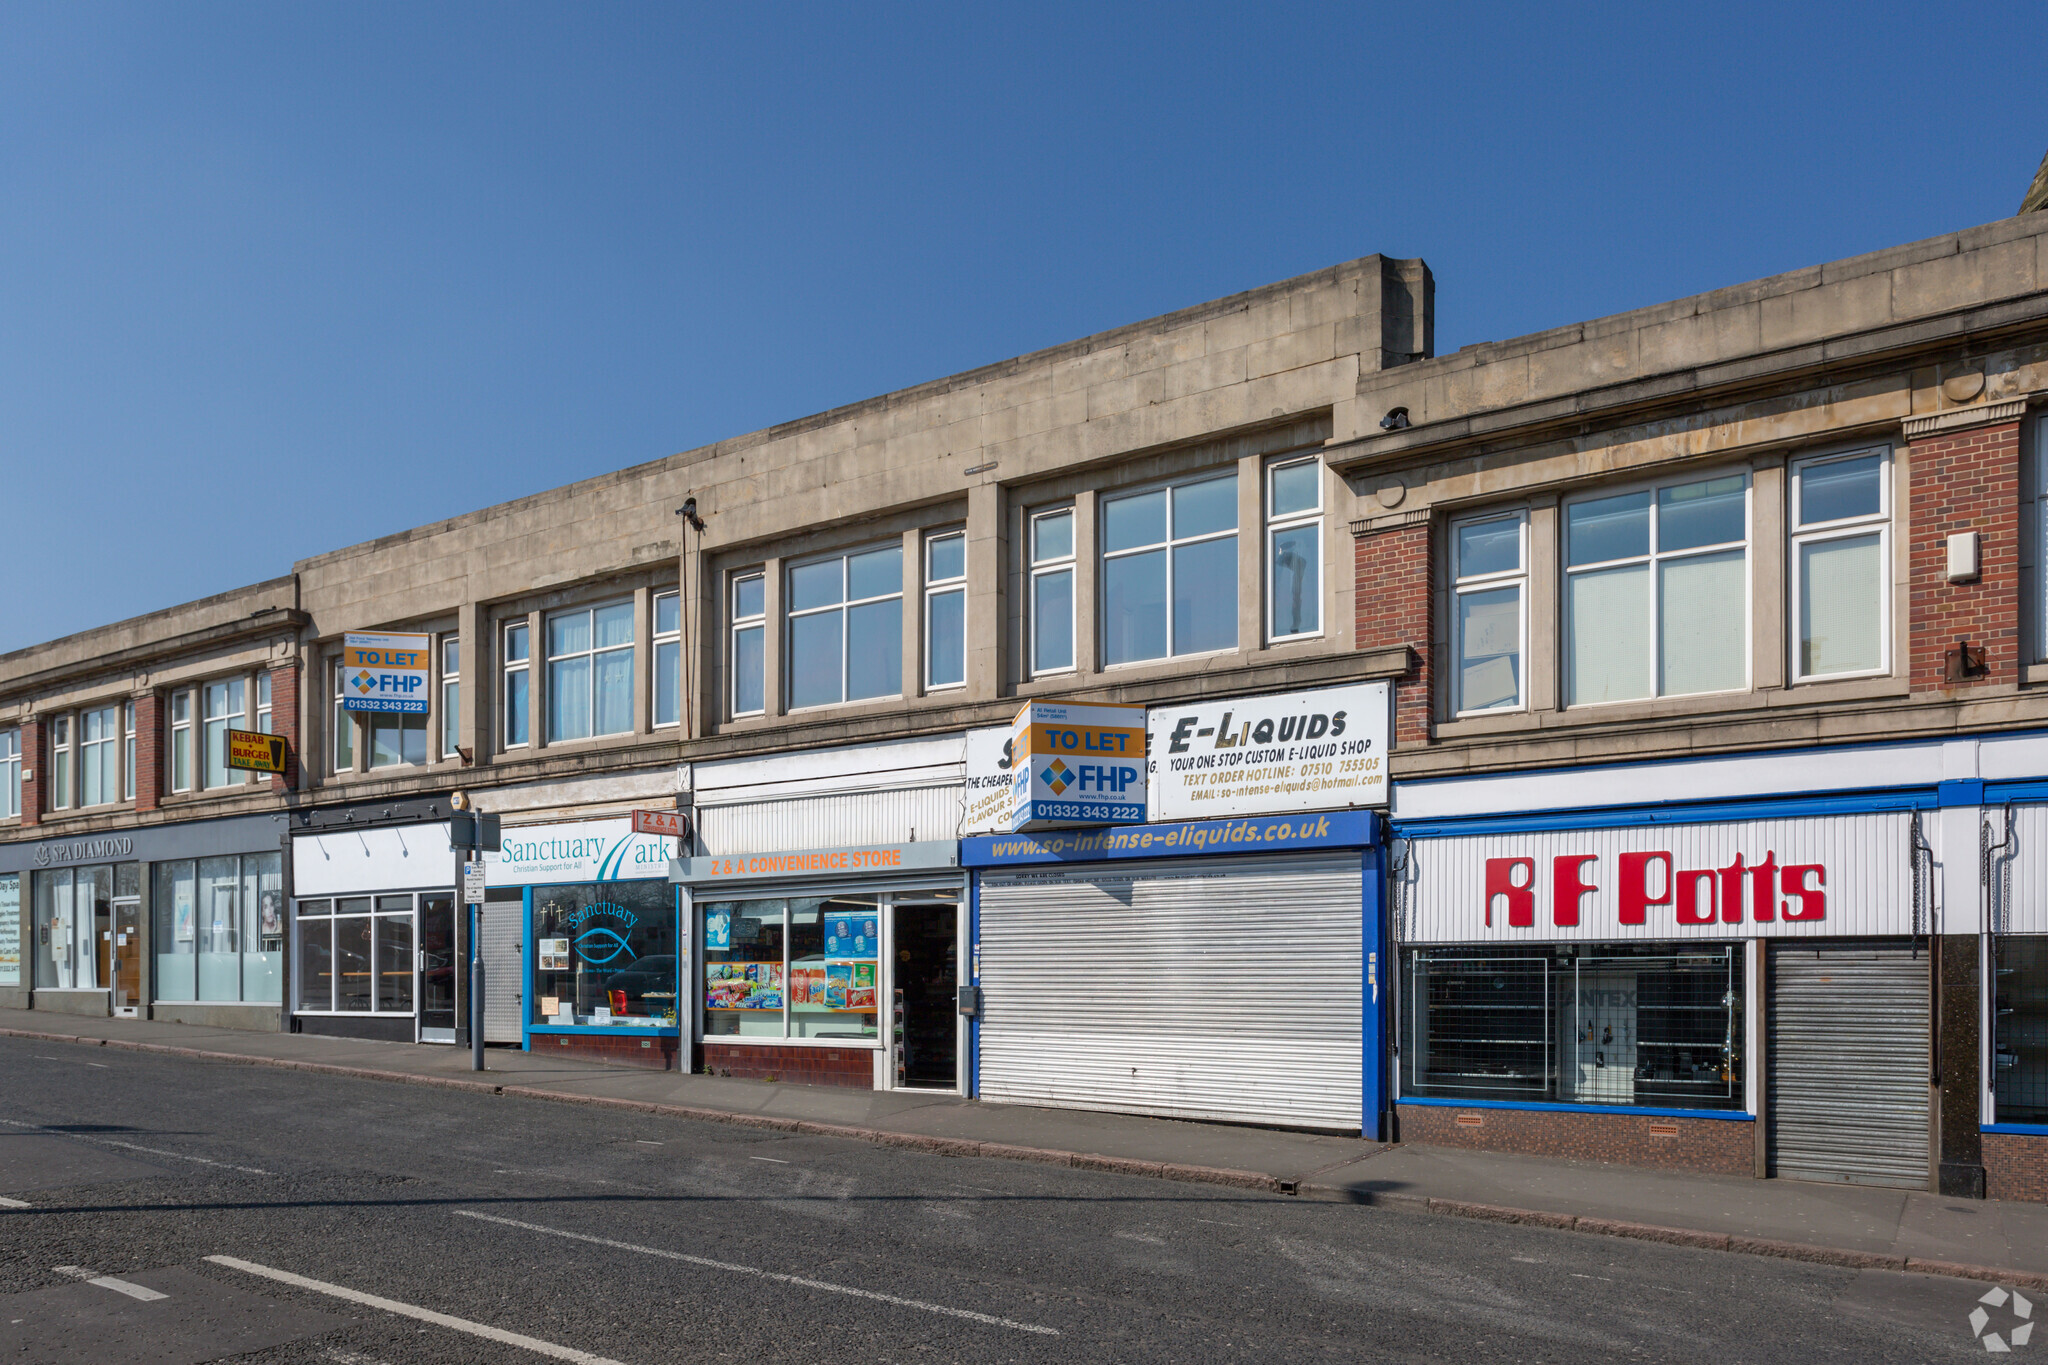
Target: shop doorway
[[125, 949], [925, 992], [1848, 1063], [437, 969]]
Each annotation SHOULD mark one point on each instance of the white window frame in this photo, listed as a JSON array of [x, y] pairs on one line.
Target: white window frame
[[262, 705], [62, 772], [664, 643], [1797, 536], [755, 621], [236, 720], [181, 732], [330, 924], [451, 696], [1656, 557], [1103, 557], [344, 730], [1292, 521], [592, 652], [1462, 583], [935, 588], [1046, 568], [128, 750], [93, 753], [10, 773], [843, 606], [508, 666]]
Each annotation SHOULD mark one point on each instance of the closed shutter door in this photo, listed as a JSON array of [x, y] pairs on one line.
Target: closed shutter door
[[1212, 989], [504, 971], [1848, 1064]]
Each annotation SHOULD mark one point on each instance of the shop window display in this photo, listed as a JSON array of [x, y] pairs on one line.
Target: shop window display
[[605, 954], [219, 929], [1629, 1024], [798, 968], [2019, 1048]]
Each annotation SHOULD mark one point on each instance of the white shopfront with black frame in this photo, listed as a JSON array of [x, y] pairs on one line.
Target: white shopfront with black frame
[[373, 933]]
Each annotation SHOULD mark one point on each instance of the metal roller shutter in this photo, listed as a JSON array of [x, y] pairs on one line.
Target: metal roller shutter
[[1848, 1064], [504, 970], [1211, 989]]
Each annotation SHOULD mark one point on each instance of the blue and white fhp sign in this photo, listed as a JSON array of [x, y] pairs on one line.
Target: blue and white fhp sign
[[385, 673]]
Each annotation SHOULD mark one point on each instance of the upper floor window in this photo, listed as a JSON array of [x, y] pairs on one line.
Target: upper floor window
[[99, 756], [1052, 591], [1657, 592], [668, 658], [1169, 571], [397, 740], [846, 627], [451, 696], [518, 685], [945, 610], [1489, 620], [749, 643], [128, 751], [266, 719], [1294, 548], [181, 735], [590, 672], [224, 710], [60, 763], [1840, 550], [344, 725], [10, 774]]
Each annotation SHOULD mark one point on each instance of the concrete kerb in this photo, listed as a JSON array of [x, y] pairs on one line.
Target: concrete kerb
[[1157, 1170]]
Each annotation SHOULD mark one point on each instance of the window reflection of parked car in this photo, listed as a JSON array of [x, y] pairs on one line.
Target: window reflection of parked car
[[651, 978]]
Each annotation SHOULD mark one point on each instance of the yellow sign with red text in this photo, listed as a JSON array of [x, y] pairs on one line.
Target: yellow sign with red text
[[255, 752]]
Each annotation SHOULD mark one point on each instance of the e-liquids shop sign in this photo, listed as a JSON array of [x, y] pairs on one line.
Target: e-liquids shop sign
[[1300, 751], [385, 673]]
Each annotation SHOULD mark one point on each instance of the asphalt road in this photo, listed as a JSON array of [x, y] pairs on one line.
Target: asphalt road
[[188, 1188]]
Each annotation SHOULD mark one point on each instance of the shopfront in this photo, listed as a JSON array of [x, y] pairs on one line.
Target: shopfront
[[181, 922], [374, 951], [581, 945], [2015, 996]]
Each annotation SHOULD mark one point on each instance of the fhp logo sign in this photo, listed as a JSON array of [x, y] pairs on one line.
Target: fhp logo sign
[[1646, 883], [385, 673], [1077, 765]]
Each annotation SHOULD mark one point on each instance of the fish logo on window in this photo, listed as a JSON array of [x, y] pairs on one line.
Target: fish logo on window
[[600, 946], [1059, 777]]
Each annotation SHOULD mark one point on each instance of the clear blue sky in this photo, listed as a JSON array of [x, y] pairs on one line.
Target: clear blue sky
[[278, 278]]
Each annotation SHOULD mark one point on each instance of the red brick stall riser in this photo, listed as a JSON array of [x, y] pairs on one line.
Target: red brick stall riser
[[652, 1054], [1702, 1146], [2016, 1167], [1394, 581], [847, 1067], [1966, 481]]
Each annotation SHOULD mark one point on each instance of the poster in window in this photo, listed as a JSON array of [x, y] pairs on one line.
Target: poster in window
[[10, 931], [554, 954], [181, 920], [851, 936], [718, 929], [743, 985], [850, 986], [807, 988], [272, 914]]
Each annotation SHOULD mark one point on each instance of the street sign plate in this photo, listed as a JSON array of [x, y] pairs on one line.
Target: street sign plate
[[253, 751], [673, 823], [473, 883]]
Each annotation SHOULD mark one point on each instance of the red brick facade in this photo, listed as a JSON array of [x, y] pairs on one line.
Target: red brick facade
[[149, 750], [1965, 481], [33, 783], [284, 721], [2016, 1167], [652, 1054], [1703, 1146], [1396, 582], [849, 1067]]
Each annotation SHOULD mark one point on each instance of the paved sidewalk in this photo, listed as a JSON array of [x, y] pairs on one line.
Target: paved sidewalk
[[1845, 1223]]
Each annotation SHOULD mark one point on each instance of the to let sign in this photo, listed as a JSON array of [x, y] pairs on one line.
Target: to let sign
[[385, 673], [673, 823], [256, 752]]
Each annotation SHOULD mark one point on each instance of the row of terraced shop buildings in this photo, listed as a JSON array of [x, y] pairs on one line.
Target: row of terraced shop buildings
[[1628, 741]]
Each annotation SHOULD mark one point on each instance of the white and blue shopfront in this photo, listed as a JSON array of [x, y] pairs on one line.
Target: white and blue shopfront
[[582, 943], [1226, 969]]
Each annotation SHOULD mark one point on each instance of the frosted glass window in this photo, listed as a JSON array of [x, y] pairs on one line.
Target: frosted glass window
[[1169, 571], [846, 628], [590, 672], [1841, 510], [1294, 548], [1657, 592], [1052, 591], [1489, 588], [945, 611], [749, 644]]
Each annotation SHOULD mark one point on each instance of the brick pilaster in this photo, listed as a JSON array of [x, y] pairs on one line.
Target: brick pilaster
[[33, 783], [1396, 580], [149, 751], [1965, 481], [284, 720]]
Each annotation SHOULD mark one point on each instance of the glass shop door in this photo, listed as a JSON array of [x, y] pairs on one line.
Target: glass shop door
[[924, 978], [437, 967]]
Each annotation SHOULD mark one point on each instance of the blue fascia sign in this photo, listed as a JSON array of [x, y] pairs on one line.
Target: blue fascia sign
[[1193, 838]]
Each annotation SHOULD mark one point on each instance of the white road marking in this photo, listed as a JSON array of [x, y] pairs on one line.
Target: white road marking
[[101, 1065], [1140, 1237], [133, 1291], [800, 1281], [475, 1329], [776, 1159], [6, 1203], [76, 1272], [1220, 1222], [647, 1142], [153, 1151]]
